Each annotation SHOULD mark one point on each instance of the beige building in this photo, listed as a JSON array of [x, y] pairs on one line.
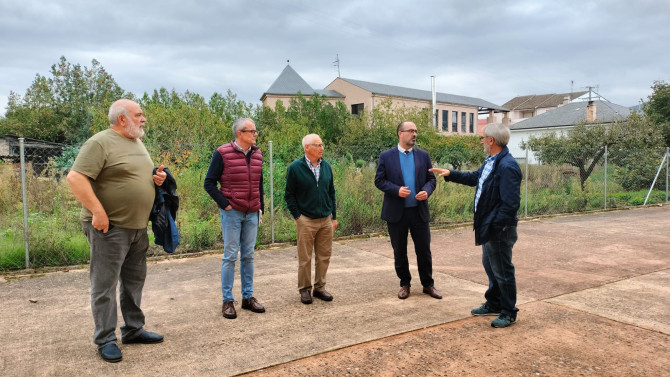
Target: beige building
[[524, 107], [288, 85], [454, 114]]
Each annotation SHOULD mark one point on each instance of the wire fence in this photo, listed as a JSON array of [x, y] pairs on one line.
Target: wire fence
[[39, 216]]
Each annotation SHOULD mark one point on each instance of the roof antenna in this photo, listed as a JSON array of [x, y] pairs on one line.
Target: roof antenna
[[336, 63]]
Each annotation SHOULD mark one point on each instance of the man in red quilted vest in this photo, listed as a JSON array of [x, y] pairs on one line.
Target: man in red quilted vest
[[237, 169]]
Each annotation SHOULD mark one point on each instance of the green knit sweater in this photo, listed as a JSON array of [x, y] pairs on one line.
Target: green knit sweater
[[305, 196]]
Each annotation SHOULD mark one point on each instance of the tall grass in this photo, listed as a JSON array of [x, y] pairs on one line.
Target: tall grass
[[55, 236]]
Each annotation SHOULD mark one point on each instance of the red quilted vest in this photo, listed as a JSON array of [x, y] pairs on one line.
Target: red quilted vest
[[240, 181]]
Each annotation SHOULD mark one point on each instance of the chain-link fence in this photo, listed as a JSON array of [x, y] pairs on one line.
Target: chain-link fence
[[39, 223]]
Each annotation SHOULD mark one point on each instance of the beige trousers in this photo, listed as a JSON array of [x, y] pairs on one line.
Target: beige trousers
[[314, 235]]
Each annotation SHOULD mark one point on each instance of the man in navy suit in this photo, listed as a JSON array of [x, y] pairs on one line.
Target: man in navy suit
[[403, 176]]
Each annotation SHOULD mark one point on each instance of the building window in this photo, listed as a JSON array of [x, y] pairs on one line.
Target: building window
[[472, 123], [445, 120], [463, 122], [527, 114], [357, 109], [454, 121]]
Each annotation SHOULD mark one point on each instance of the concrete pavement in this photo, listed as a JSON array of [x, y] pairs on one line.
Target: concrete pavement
[[591, 287]]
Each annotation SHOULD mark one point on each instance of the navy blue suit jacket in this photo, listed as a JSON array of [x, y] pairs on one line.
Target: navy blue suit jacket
[[389, 179]]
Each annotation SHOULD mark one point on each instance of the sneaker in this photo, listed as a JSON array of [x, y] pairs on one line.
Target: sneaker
[[485, 309], [503, 320], [110, 352]]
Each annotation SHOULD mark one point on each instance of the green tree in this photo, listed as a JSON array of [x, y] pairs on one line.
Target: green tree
[[637, 155], [657, 109], [65, 107], [228, 108], [583, 146], [182, 129]]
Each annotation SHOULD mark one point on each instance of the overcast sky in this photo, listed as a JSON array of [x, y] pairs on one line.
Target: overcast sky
[[494, 50]]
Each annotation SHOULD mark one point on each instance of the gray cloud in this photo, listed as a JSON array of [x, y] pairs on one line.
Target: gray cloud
[[491, 50]]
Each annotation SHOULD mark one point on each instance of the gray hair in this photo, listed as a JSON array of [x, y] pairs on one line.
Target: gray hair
[[499, 132], [308, 139], [238, 124], [117, 108]]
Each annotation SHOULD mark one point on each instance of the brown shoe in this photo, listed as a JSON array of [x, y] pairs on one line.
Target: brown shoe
[[322, 294], [228, 310], [404, 292], [305, 297], [432, 292], [252, 304]]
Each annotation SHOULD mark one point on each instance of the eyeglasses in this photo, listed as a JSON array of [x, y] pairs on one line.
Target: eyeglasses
[[317, 145], [410, 131], [252, 131], [484, 137]]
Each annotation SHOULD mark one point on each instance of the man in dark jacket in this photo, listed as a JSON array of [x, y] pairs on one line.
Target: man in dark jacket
[[238, 168], [310, 196], [497, 201], [402, 174]]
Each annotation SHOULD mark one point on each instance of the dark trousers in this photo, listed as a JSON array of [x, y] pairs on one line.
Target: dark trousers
[[420, 231], [118, 256], [497, 261]]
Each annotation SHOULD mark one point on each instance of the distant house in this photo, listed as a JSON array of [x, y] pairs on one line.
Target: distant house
[[524, 107], [36, 151], [288, 85], [560, 120], [454, 114]]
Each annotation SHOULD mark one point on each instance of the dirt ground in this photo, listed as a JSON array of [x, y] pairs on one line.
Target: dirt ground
[[594, 299]]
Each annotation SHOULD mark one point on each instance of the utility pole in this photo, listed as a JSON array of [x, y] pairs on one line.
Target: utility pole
[[432, 80], [590, 88], [336, 63]]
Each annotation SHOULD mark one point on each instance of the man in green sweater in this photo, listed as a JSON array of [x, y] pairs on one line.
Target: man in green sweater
[[310, 196]]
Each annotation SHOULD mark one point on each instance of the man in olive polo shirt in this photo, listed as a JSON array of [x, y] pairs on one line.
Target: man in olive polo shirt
[[113, 179]]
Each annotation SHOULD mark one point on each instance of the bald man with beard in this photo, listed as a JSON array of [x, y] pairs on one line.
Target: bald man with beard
[[113, 179]]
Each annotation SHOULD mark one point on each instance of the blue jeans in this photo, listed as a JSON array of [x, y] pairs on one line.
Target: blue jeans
[[239, 233], [497, 261]]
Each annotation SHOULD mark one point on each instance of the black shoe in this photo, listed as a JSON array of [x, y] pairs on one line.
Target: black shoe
[[305, 297], [110, 352], [323, 295], [144, 337]]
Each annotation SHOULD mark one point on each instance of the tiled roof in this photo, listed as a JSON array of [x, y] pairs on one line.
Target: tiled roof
[[573, 114], [424, 95], [329, 93], [535, 101], [289, 82]]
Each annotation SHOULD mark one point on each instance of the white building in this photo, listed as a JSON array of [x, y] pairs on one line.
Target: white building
[[561, 119]]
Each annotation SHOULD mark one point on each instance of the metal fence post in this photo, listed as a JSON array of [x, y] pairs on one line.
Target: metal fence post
[[525, 205], [660, 167], [25, 199], [605, 176], [667, 162], [272, 197]]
